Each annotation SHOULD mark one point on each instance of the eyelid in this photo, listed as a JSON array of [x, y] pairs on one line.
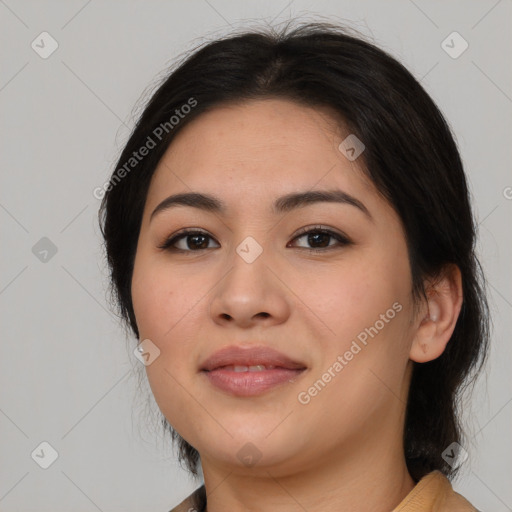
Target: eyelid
[[343, 239], [167, 244], [319, 227]]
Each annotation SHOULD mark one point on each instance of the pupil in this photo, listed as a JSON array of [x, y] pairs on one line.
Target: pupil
[[319, 237], [203, 245]]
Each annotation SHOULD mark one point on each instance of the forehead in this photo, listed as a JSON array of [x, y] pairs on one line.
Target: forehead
[[255, 150]]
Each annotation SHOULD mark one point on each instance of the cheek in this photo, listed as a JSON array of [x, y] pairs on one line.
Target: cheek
[[149, 297], [363, 353], [166, 308], [350, 297], [361, 309], [163, 299], [170, 308]]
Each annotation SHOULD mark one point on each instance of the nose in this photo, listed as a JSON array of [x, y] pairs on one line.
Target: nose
[[250, 294]]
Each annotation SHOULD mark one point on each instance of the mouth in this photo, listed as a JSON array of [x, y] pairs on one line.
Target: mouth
[[250, 380], [250, 371], [240, 368]]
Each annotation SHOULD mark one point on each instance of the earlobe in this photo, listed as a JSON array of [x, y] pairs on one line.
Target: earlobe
[[439, 318]]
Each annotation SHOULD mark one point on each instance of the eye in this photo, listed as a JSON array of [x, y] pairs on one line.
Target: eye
[[187, 241], [320, 239]]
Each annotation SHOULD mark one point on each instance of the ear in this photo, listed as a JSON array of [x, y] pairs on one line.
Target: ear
[[439, 315]]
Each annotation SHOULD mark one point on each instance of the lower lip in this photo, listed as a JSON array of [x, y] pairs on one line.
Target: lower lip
[[250, 383]]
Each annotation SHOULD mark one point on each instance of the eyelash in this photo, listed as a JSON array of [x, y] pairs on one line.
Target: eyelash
[[342, 239]]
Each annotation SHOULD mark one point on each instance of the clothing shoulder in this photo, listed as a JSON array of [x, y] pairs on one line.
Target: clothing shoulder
[[454, 502], [434, 493]]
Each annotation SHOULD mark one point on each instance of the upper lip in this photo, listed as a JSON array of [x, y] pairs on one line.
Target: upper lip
[[249, 356]]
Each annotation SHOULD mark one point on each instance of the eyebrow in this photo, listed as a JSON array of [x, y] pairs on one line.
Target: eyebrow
[[282, 204]]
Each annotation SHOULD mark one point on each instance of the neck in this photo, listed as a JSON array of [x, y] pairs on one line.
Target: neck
[[375, 480]]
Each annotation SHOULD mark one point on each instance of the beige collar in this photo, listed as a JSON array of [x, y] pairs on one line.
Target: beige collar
[[433, 493]]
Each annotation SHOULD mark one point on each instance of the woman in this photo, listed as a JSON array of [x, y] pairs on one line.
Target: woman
[[290, 239]]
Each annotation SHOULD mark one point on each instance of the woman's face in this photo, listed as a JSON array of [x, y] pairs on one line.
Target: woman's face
[[342, 310]]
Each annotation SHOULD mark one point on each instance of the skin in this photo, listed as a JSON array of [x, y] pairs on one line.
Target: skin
[[342, 450]]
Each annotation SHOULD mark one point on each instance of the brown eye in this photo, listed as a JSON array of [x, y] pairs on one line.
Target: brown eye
[[317, 239], [188, 241], [196, 241]]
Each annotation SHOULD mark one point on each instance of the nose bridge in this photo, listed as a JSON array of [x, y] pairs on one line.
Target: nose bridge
[[249, 290], [249, 263]]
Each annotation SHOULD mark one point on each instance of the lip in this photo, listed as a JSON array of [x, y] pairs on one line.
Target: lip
[[249, 356], [219, 370]]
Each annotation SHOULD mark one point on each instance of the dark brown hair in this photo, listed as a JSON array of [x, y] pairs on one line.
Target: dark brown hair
[[410, 156]]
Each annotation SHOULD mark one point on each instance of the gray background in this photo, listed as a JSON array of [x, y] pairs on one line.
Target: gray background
[[67, 373]]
